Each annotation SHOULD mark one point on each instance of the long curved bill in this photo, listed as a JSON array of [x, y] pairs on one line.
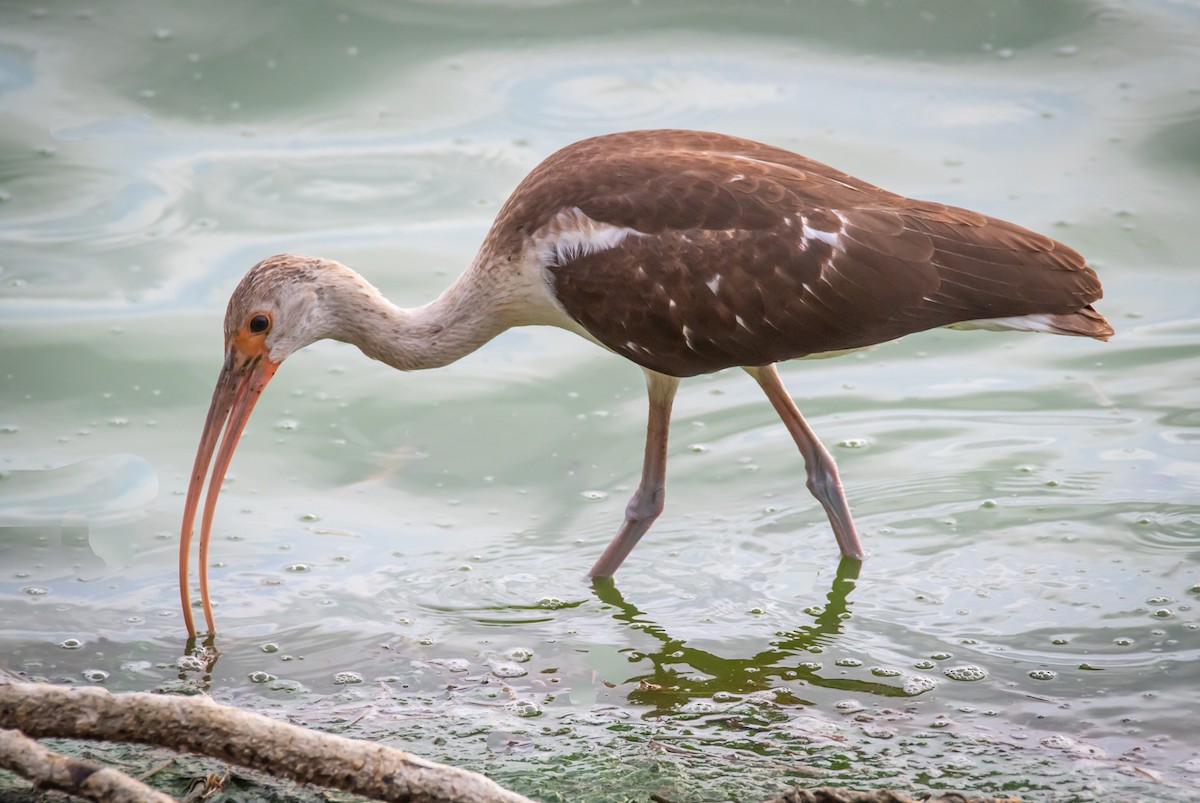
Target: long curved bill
[[238, 387]]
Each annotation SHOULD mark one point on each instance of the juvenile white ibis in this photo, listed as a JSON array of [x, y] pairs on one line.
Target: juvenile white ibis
[[685, 252]]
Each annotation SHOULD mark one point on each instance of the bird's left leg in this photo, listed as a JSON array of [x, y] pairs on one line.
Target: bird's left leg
[[823, 479], [647, 501]]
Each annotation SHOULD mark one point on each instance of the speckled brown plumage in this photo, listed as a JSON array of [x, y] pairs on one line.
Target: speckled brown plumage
[[749, 254]]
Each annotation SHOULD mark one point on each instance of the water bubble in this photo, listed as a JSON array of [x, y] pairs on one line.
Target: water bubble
[[1123, 641], [811, 666], [1043, 674], [699, 448], [9, 429], [987, 503], [1058, 741], [594, 495], [347, 678], [261, 677], [885, 672], [310, 517], [287, 425], [848, 706], [552, 603], [942, 656], [36, 591], [853, 443], [70, 644], [524, 708], [270, 647], [456, 665], [697, 707], [297, 568], [918, 684], [95, 675], [520, 654], [966, 672], [508, 669], [189, 663], [848, 662]]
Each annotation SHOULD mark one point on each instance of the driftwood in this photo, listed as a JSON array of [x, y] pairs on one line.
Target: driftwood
[[52, 770], [199, 725]]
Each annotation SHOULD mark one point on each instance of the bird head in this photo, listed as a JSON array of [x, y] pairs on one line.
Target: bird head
[[279, 306], [277, 309]]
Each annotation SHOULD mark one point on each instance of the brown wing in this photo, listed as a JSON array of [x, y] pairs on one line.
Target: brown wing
[[746, 254]]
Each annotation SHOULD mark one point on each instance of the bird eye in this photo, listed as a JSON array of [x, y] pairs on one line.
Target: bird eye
[[259, 324]]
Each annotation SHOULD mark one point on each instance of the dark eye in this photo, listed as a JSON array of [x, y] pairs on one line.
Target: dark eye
[[259, 324]]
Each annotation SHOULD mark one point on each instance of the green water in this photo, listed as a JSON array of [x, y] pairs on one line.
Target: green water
[[1027, 621]]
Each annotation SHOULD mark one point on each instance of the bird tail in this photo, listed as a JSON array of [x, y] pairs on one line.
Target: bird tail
[[1083, 322]]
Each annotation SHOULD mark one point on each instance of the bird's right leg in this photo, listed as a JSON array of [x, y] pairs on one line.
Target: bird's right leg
[[647, 501], [823, 479]]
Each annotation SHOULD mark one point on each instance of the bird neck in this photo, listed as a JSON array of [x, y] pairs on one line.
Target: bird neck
[[446, 329]]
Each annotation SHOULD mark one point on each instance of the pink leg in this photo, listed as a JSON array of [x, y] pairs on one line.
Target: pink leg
[[647, 501], [823, 479]]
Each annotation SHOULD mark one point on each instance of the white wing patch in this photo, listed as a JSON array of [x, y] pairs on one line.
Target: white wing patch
[[833, 239], [830, 237], [571, 234]]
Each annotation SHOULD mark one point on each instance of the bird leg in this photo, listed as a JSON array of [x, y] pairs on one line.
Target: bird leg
[[647, 501], [823, 479]]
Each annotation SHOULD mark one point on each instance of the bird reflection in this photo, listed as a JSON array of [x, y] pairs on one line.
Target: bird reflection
[[680, 673]]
